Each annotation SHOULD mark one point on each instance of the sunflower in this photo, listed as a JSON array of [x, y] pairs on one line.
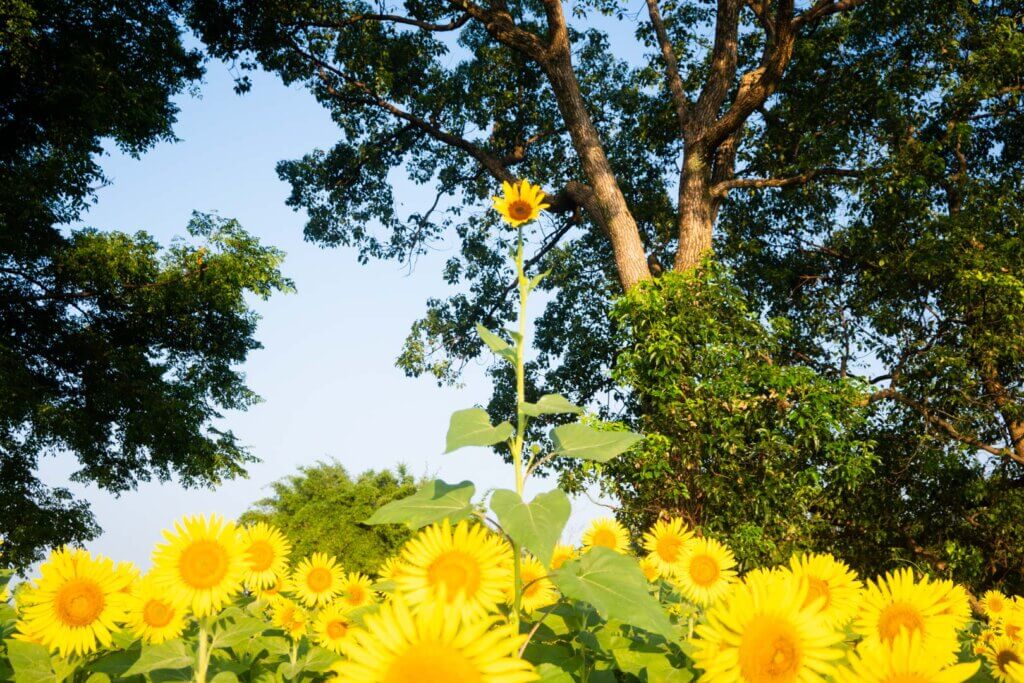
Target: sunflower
[[290, 618], [317, 579], [75, 604], [955, 603], [399, 646], [128, 574], [666, 542], [1005, 660], [902, 661], [995, 605], [465, 566], [562, 554], [392, 568], [605, 532], [201, 564], [356, 590], [831, 584], [521, 202], [705, 571], [332, 628], [152, 616], [538, 591], [651, 568], [266, 554], [765, 632], [271, 593], [897, 603]]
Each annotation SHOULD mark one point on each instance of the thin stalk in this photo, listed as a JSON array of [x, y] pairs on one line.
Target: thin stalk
[[520, 437], [204, 651]]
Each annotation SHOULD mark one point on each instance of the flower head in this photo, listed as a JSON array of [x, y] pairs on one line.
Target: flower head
[[606, 532], [76, 603], [520, 203], [400, 646], [705, 572]]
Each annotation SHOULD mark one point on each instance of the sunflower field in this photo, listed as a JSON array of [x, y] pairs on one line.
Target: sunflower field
[[486, 592]]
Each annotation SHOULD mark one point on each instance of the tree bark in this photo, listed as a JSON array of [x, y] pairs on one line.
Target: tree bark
[[609, 208], [695, 209]]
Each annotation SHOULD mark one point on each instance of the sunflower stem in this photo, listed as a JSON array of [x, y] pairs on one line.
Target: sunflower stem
[[203, 662], [520, 437]]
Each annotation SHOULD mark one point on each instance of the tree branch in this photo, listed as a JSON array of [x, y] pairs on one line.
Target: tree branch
[[388, 18], [675, 81], [724, 58], [822, 9], [493, 165], [948, 427], [722, 188]]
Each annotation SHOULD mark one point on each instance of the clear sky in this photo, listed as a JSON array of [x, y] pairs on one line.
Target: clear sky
[[327, 372]]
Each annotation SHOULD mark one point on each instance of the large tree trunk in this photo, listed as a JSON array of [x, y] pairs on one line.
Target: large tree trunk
[[607, 207], [695, 210]]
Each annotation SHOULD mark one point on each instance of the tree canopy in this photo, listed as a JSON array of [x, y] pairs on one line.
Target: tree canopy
[[322, 509], [857, 164], [113, 350]]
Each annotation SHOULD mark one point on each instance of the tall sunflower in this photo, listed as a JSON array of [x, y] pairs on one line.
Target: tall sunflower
[[897, 603], [317, 579], [76, 603], [266, 554], [665, 543], [764, 633], [465, 566], [201, 564], [606, 532], [705, 572], [520, 203], [830, 583], [398, 646], [902, 661], [152, 616]]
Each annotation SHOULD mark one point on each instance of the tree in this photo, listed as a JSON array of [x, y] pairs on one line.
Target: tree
[[322, 509], [858, 165], [113, 350]]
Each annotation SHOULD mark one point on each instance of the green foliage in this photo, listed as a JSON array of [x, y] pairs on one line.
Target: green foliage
[[322, 509], [877, 211], [116, 352], [536, 526], [433, 502], [741, 443]]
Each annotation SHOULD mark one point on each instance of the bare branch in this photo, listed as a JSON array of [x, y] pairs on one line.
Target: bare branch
[[825, 8], [493, 165], [452, 25], [675, 81], [724, 58], [722, 188], [945, 425], [500, 25]]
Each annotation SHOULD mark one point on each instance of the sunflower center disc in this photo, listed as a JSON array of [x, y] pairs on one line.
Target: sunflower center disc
[[318, 579], [261, 556], [770, 651], [457, 572], [157, 614], [520, 210], [80, 602], [897, 617], [203, 564], [428, 662], [703, 570], [816, 588], [669, 547]]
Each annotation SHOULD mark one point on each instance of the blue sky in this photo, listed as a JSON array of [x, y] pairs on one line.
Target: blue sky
[[327, 372]]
